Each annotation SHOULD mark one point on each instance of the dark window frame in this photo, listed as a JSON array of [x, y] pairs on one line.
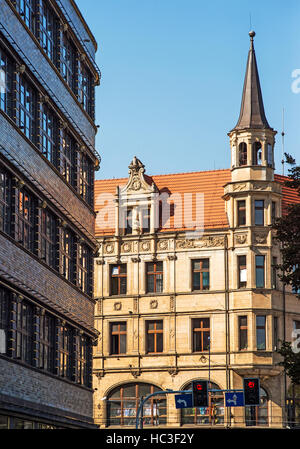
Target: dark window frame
[[25, 218], [261, 337], [67, 243], [242, 265], [201, 330], [116, 280], [24, 331], [46, 347], [48, 238], [27, 10], [48, 30], [201, 272], [155, 274], [243, 332], [26, 107], [5, 200], [6, 91], [259, 212], [117, 338], [241, 213], [157, 335], [260, 270]]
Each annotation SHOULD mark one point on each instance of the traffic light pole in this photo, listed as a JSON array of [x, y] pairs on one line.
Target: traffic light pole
[[157, 393]]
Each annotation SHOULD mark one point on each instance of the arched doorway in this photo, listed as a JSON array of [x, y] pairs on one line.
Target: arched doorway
[[258, 415], [211, 415], [123, 402]]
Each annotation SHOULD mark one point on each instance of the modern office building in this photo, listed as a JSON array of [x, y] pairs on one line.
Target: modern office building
[[48, 76], [177, 303]]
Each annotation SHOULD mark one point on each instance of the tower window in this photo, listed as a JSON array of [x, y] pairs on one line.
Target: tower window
[[241, 212], [259, 212], [242, 154], [257, 153], [270, 156]]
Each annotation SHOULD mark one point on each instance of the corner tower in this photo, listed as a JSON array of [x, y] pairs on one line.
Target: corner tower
[[252, 139]]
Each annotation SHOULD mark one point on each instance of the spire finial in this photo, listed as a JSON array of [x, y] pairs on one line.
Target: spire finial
[[252, 34]]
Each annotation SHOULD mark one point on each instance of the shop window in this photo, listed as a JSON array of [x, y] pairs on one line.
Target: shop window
[[211, 415], [123, 402]]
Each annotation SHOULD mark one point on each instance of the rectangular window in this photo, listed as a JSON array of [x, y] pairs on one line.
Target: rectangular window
[[259, 206], [201, 334], [67, 60], [48, 30], [118, 338], [26, 106], [6, 80], [46, 342], [145, 220], [67, 157], [128, 221], [260, 332], [273, 212], [154, 337], [48, 131], [64, 351], [242, 267], [275, 333], [270, 155], [67, 254], [118, 279], [154, 277], [24, 331], [84, 267], [200, 274], [274, 272], [26, 9], [81, 359], [260, 271], [48, 237], [243, 332], [85, 178], [4, 319], [85, 88], [296, 331], [5, 201], [241, 212], [25, 219]]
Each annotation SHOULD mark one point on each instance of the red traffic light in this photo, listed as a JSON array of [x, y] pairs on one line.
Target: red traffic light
[[199, 387], [251, 384]]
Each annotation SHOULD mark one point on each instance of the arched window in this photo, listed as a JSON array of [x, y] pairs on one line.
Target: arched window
[[123, 402], [242, 153], [256, 153], [211, 415], [258, 415], [293, 405]]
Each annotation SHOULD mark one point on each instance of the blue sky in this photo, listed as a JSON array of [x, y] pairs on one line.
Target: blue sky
[[172, 77]]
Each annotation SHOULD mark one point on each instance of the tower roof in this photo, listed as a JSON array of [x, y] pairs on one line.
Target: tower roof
[[252, 114]]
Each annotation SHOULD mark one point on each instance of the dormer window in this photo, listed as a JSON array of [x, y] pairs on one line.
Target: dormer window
[[128, 222], [257, 153], [145, 220]]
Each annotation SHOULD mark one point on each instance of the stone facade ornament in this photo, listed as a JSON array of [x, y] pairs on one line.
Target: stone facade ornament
[[173, 371], [117, 306], [162, 244], [204, 242], [240, 238], [153, 304], [239, 187], [126, 247], [109, 248], [145, 246], [260, 238]]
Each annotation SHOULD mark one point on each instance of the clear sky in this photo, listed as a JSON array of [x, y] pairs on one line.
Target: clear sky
[[172, 78]]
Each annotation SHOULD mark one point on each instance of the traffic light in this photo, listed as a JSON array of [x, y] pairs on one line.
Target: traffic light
[[200, 393], [251, 391]]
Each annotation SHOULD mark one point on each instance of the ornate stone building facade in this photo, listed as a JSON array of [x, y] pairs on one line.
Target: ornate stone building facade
[[178, 302], [47, 162]]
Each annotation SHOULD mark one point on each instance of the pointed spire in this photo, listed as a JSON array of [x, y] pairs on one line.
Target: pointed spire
[[252, 114]]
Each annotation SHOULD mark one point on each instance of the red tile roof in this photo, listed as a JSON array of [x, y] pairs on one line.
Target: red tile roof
[[210, 183]]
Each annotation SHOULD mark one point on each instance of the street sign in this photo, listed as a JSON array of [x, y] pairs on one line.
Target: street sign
[[234, 399], [184, 400]]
